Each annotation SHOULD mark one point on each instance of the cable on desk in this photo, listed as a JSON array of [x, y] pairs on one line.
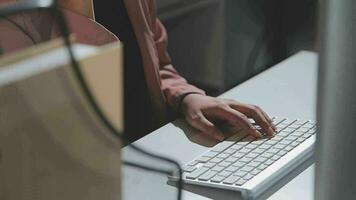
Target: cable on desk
[[152, 169]]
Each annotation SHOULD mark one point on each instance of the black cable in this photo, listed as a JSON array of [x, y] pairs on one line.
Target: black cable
[[151, 169], [20, 27], [65, 33], [76, 68]]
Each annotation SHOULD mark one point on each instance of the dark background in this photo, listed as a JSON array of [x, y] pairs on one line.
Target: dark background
[[217, 44]]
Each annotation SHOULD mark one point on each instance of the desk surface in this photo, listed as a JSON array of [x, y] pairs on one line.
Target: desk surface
[[286, 90]]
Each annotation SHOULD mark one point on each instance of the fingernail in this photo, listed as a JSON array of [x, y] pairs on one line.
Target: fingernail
[[258, 134], [220, 137], [271, 132]]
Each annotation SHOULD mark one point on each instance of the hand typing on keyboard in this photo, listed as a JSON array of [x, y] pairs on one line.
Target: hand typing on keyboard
[[240, 158], [201, 111]]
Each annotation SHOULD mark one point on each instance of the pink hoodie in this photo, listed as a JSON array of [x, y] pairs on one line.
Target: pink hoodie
[[166, 86]]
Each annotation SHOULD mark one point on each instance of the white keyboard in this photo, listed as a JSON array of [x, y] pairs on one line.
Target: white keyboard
[[240, 159]]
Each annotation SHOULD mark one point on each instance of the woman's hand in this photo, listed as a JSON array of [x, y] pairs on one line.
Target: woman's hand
[[200, 111]]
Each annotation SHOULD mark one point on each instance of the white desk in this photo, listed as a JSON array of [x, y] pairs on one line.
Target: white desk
[[287, 90]]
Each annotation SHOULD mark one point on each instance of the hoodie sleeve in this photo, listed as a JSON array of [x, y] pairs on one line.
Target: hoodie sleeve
[[174, 87]]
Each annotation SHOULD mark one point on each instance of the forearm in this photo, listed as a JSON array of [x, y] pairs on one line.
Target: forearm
[[176, 87]]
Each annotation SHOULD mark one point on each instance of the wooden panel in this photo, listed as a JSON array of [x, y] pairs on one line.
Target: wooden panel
[[52, 145]]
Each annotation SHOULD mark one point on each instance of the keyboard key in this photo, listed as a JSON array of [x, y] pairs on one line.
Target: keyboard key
[[247, 168], [267, 154], [283, 133], [282, 153], [210, 154], [221, 146], [260, 159], [303, 129], [275, 157], [286, 123], [231, 159], [223, 155], [264, 146], [225, 173], [283, 124], [294, 144], [245, 159], [238, 164], [255, 172], [197, 173], [209, 164], [253, 164], [285, 142], [309, 125], [217, 168], [273, 150], [279, 146], [207, 175], [298, 133], [244, 150], [252, 155], [224, 164], [291, 137], [279, 128], [260, 141], [217, 179], [231, 180], [189, 168], [289, 121], [288, 130], [271, 142], [247, 177], [216, 160], [237, 146], [203, 159], [299, 123], [258, 151], [288, 148], [229, 151], [243, 143], [232, 168], [251, 146], [305, 136], [240, 173], [311, 132], [269, 162], [262, 167], [193, 163], [295, 125], [277, 138], [238, 155], [240, 182], [300, 140]]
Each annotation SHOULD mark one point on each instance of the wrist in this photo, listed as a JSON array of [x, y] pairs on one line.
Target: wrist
[[184, 98]]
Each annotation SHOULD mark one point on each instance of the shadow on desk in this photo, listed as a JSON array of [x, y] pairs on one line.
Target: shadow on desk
[[212, 193], [202, 139], [195, 136]]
